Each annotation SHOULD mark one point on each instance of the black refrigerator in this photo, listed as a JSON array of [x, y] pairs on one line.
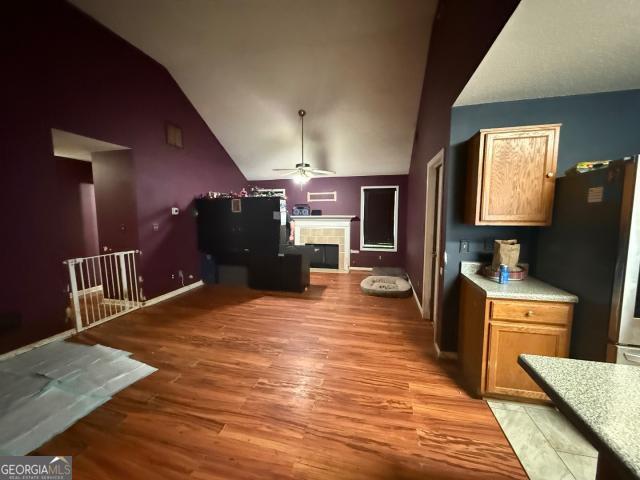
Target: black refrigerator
[[592, 249]]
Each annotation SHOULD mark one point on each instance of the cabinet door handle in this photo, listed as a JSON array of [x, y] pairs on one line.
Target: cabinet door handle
[[529, 313], [550, 174]]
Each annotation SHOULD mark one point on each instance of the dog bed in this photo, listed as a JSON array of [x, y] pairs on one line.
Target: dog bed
[[385, 286], [389, 272]]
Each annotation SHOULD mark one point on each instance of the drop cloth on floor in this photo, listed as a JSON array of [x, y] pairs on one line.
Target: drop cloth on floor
[[46, 390]]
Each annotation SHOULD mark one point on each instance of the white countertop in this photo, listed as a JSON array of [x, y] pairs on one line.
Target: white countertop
[[528, 289]]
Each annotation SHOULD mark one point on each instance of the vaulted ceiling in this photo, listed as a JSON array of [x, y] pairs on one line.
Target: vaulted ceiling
[[552, 48], [248, 65]]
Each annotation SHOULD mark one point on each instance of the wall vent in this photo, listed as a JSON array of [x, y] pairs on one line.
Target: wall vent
[[174, 135], [322, 196]]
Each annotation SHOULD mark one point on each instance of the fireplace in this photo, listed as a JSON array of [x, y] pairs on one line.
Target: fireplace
[[324, 255], [332, 230]]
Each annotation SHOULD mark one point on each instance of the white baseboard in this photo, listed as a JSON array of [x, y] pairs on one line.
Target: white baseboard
[[168, 295], [39, 343], [444, 355], [361, 269], [415, 297]]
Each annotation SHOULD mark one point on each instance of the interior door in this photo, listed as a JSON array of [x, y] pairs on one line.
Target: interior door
[[519, 176], [432, 233], [435, 255]]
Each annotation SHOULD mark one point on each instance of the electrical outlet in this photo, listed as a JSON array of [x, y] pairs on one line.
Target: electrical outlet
[[464, 246]]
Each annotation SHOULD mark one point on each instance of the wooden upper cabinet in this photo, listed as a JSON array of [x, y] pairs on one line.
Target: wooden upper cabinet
[[511, 175]]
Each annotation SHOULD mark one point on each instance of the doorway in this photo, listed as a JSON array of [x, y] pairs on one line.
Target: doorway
[[97, 179], [433, 265], [96, 190]]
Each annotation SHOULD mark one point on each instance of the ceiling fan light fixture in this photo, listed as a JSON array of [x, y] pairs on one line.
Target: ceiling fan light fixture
[[301, 179], [302, 172]]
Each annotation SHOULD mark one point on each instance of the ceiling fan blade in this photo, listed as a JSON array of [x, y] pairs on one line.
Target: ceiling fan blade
[[316, 171], [285, 169], [292, 172]]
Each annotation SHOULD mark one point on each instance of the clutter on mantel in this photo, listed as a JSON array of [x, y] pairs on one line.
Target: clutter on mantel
[[253, 192]]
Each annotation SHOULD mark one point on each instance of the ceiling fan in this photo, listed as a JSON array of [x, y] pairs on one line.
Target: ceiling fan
[[303, 172]]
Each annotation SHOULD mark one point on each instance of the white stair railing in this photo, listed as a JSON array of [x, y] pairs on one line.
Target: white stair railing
[[102, 287]]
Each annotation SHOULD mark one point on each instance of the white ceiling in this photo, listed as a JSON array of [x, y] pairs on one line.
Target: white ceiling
[[247, 66], [552, 48], [79, 147]]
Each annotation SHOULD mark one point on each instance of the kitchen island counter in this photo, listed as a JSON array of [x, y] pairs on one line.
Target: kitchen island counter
[[601, 400]]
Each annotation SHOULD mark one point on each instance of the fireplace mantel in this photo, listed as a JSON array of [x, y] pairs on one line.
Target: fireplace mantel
[[322, 218], [325, 227]]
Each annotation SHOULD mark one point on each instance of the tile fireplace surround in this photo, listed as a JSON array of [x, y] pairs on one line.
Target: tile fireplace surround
[[332, 229]]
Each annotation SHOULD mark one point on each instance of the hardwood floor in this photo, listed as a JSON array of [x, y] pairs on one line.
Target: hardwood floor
[[330, 384]]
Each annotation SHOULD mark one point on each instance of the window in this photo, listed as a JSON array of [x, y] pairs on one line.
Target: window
[[379, 218]]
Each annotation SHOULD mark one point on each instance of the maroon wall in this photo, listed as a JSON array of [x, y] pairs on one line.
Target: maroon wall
[[115, 190], [462, 34], [75, 197], [68, 72], [89, 218], [348, 202]]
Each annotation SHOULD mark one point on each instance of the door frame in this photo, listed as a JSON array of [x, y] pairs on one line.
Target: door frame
[[433, 225]]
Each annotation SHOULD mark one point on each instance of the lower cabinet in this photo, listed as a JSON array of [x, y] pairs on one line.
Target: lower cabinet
[[493, 333], [507, 341]]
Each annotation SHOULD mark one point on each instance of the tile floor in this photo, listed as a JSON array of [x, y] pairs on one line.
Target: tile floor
[[547, 445]]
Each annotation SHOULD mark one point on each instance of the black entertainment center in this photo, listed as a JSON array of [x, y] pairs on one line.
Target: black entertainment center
[[250, 234]]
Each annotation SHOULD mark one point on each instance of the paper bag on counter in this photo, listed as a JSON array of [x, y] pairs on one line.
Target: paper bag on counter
[[505, 252]]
